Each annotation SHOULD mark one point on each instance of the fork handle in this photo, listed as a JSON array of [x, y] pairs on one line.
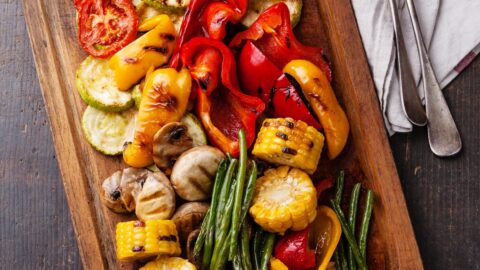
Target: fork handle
[[443, 135]]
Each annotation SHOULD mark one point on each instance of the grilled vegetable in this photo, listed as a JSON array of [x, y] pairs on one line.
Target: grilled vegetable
[[319, 93], [276, 264], [104, 27], [294, 251], [118, 188], [157, 198], [286, 141], [137, 95], [284, 198], [256, 7], [164, 100], [169, 6], [188, 217], [193, 173], [325, 235], [101, 91], [152, 49], [108, 132], [169, 143], [169, 263], [195, 129], [140, 240]]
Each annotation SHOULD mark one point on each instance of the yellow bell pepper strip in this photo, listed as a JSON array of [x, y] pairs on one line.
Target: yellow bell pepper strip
[[325, 232], [152, 49], [276, 264], [150, 23], [319, 93], [164, 100]]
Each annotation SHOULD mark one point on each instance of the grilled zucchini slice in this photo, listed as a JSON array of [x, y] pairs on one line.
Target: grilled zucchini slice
[[256, 7], [108, 132], [96, 84], [195, 129]]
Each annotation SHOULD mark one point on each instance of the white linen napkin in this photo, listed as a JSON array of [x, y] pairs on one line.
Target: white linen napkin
[[451, 30]]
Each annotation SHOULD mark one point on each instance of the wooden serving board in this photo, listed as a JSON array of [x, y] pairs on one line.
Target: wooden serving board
[[367, 158]]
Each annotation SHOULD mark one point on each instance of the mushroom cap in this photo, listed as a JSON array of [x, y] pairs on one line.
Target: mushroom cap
[[188, 217], [156, 200], [193, 173], [169, 143], [118, 189]]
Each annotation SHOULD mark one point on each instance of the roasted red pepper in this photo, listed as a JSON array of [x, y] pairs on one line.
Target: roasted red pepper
[[293, 250], [286, 101], [272, 34], [323, 185], [213, 17], [257, 74], [221, 106], [260, 77]]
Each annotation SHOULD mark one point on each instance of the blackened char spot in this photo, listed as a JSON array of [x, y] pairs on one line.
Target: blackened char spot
[[204, 82], [282, 135], [171, 238], [161, 50], [288, 150], [130, 60], [290, 124], [115, 195], [167, 36], [288, 42], [138, 248]]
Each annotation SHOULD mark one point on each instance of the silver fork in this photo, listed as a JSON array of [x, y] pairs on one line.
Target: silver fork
[[411, 103], [443, 135]]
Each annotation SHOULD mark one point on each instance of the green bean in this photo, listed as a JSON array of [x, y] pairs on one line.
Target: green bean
[[237, 207], [201, 237], [224, 195], [341, 255], [336, 258], [339, 187], [237, 261], [347, 232], [245, 247], [362, 240], [256, 247], [267, 251], [223, 229], [219, 260], [210, 220], [247, 199], [352, 218]]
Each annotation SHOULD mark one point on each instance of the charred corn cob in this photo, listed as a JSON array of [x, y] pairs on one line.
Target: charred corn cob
[[144, 239], [169, 263], [284, 198], [289, 142]]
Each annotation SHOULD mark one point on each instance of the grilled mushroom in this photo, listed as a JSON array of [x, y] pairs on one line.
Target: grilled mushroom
[[169, 143], [193, 173], [118, 189], [156, 200], [192, 238], [188, 217]]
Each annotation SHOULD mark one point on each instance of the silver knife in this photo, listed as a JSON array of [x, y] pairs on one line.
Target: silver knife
[[411, 103], [443, 135]]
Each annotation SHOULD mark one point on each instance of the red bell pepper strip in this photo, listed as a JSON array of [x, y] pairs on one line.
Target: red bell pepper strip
[[260, 77], [257, 74], [217, 14], [323, 185], [221, 106], [272, 34], [213, 17], [286, 101], [293, 250]]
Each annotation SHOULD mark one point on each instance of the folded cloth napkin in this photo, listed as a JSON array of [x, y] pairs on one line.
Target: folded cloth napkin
[[451, 30]]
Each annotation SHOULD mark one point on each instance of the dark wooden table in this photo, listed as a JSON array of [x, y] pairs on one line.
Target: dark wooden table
[[35, 227]]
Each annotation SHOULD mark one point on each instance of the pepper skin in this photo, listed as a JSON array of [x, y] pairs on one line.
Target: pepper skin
[[164, 100], [319, 93], [221, 106], [272, 33], [152, 49], [293, 250]]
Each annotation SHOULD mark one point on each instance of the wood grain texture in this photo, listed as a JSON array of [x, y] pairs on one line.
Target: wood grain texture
[[328, 23]]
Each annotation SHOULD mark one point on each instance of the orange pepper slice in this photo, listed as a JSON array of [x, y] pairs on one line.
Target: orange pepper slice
[[325, 234]]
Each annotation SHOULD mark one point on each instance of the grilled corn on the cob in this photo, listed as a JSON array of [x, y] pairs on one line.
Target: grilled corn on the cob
[[284, 198], [289, 142], [144, 239], [169, 263]]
